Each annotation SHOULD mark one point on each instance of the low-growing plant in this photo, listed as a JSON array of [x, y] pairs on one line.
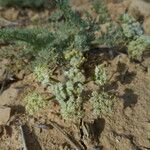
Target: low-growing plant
[[100, 100], [138, 46], [101, 9], [128, 33], [69, 93], [70, 31], [34, 102], [68, 96], [76, 58], [130, 26], [100, 75], [113, 37], [70, 36], [101, 103], [41, 73]]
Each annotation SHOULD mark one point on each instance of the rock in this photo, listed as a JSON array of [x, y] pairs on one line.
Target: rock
[[91, 86], [146, 25], [4, 114], [9, 96], [139, 8]]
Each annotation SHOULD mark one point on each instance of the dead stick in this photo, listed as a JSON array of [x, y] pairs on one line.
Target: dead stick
[[74, 145]]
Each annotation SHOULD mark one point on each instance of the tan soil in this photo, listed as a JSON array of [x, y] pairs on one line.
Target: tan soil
[[127, 128]]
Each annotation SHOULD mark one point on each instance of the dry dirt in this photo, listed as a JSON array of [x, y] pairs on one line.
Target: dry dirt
[[128, 126]]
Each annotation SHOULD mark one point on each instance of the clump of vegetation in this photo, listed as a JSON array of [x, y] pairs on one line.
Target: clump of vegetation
[[101, 9], [69, 31], [138, 46], [76, 58], [69, 93], [34, 102], [100, 100], [101, 103], [113, 37], [122, 33], [68, 96], [41, 73], [44, 65], [128, 33], [130, 26], [69, 36], [100, 75]]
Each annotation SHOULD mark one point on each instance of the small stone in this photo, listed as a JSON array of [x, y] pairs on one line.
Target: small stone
[[4, 114], [9, 96], [91, 86]]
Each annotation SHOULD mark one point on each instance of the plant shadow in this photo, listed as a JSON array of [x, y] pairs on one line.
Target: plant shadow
[[125, 76], [98, 127], [129, 98], [31, 139]]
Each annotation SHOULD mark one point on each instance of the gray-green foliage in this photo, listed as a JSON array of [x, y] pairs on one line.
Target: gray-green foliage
[[100, 100], [34, 102], [101, 9], [68, 96], [69, 93], [128, 33], [38, 38], [75, 58], [41, 73], [130, 26], [73, 30], [121, 33], [100, 75], [101, 103], [133, 31], [138, 46], [44, 65], [113, 37], [69, 31]]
